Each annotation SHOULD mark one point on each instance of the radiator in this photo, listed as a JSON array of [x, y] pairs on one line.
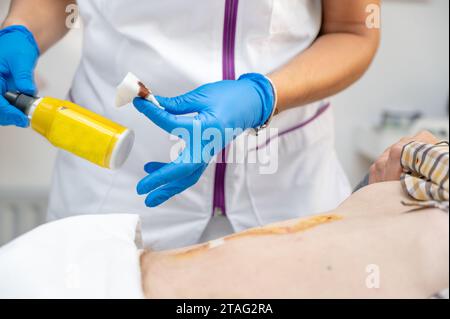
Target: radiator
[[20, 216]]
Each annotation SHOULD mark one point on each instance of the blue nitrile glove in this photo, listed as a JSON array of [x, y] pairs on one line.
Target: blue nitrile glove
[[224, 110], [18, 56]]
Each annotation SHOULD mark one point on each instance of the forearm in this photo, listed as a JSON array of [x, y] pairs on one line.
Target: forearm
[[334, 63], [46, 19], [338, 58]]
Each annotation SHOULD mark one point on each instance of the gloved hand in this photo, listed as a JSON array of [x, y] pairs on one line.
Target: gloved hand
[[18, 56], [224, 110]]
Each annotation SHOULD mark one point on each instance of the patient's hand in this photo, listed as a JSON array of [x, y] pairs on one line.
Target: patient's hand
[[388, 166]]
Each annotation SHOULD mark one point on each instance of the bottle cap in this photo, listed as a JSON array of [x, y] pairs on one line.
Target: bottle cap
[[20, 101]]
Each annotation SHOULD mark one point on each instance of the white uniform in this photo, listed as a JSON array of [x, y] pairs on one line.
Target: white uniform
[[176, 46]]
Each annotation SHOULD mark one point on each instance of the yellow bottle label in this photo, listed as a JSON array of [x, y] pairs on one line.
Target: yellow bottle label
[[77, 130]]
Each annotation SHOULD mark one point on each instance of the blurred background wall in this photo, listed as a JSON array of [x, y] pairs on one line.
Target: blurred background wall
[[411, 72]]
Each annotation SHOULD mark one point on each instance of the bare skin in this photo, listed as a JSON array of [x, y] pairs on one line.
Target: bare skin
[[337, 59], [325, 256], [286, 229], [45, 18]]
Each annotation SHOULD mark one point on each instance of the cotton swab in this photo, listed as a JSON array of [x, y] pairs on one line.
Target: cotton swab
[[131, 87]]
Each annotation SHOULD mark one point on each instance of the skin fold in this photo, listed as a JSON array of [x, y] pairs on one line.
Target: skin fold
[[326, 256]]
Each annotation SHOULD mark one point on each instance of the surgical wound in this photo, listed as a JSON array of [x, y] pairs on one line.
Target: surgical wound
[[300, 226]]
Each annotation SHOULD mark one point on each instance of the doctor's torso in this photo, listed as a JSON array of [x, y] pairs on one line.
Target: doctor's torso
[[176, 46]]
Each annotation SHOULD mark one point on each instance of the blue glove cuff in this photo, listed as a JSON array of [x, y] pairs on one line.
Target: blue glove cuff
[[266, 92], [24, 30]]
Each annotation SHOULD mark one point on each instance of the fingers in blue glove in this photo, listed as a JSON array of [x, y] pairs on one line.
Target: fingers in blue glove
[[180, 105], [164, 175], [9, 115], [22, 72], [18, 56], [162, 118], [152, 167], [166, 192]]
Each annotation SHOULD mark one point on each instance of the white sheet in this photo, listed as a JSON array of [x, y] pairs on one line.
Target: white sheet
[[90, 256]]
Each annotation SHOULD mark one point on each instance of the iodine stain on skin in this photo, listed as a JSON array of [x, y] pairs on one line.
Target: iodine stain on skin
[[286, 230], [301, 226], [194, 251]]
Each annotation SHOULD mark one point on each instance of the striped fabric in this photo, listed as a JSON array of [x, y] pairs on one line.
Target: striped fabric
[[426, 174]]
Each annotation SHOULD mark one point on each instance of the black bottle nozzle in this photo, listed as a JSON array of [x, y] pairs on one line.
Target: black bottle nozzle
[[21, 101]]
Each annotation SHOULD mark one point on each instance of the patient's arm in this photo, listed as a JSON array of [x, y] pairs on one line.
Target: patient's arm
[[327, 256]]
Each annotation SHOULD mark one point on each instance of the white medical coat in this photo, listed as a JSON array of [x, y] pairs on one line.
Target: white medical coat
[[176, 46]]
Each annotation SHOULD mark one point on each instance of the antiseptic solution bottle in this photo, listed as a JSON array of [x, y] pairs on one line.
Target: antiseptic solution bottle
[[77, 130]]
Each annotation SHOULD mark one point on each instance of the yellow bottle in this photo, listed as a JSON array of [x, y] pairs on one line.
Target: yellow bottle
[[77, 130]]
